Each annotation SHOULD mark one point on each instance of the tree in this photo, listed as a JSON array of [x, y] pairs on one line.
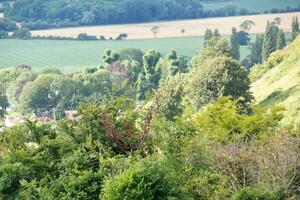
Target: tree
[[216, 74], [212, 49], [3, 100], [182, 31], [173, 63], [247, 25], [142, 86], [35, 95], [110, 56], [149, 79], [216, 33], [3, 34], [155, 30], [208, 34], [235, 46], [244, 38], [270, 42], [132, 54], [277, 21], [281, 41], [88, 18], [152, 72], [295, 28], [22, 33], [256, 50]]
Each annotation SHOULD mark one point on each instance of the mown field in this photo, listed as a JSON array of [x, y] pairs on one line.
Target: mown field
[[72, 55], [253, 5]]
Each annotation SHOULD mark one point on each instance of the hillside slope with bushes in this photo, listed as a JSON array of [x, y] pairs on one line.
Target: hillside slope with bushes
[[277, 81]]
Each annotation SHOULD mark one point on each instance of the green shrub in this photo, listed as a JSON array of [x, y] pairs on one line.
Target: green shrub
[[148, 179]]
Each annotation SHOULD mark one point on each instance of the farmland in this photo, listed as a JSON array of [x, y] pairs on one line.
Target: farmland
[[72, 55], [173, 28]]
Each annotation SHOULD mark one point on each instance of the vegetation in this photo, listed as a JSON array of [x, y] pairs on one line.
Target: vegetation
[[156, 127], [39, 14], [280, 75]]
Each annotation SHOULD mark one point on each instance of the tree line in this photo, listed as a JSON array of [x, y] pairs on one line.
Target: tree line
[[39, 14]]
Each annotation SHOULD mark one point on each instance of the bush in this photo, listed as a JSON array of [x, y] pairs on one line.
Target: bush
[[258, 194], [148, 179]]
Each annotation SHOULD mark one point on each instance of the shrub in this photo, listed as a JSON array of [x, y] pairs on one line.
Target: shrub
[[148, 179]]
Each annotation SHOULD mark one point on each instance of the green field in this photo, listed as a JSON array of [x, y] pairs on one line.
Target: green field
[[72, 55], [254, 5]]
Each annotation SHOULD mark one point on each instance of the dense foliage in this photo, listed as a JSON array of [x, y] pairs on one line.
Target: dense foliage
[[147, 127], [40, 14]]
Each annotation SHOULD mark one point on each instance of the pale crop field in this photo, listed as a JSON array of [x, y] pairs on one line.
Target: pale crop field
[[193, 28]]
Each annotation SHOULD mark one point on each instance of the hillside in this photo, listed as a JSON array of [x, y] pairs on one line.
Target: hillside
[[281, 84]]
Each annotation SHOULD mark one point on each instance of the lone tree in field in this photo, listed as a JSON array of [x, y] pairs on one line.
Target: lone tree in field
[[247, 25], [155, 30], [277, 21], [234, 44], [182, 31]]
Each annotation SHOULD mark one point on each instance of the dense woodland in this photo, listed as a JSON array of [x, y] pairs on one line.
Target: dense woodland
[[151, 127], [41, 14]]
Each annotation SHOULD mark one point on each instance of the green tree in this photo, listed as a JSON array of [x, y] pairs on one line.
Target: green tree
[[110, 56], [216, 74], [3, 99], [152, 71], [235, 46], [270, 40], [132, 54], [173, 62], [216, 33], [212, 49], [281, 41], [41, 95], [208, 34], [256, 50], [22, 33], [295, 28], [142, 87]]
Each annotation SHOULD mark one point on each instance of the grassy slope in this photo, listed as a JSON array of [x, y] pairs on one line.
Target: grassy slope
[[281, 84]]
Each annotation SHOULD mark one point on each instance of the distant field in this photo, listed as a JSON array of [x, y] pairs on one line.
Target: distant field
[[173, 28], [72, 55], [254, 5]]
